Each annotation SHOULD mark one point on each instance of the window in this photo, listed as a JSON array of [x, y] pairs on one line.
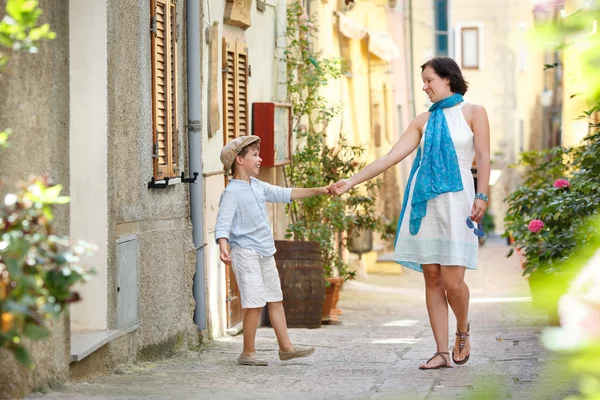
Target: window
[[469, 38], [441, 27], [164, 88], [345, 54], [376, 125], [235, 89], [523, 53]]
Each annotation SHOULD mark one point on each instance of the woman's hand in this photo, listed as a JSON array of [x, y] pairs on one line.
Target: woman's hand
[[340, 187], [478, 210]]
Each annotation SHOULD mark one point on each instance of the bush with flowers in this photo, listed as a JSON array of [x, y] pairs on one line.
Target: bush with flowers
[[577, 340], [548, 209], [547, 212]]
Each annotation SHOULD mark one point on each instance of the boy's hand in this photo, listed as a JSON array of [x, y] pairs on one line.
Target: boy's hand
[[225, 256], [340, 187]]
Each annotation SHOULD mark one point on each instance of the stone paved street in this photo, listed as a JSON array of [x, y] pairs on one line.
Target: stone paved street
[[373, 354]]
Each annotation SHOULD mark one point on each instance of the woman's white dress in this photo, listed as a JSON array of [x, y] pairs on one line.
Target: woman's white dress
[[444, 237]]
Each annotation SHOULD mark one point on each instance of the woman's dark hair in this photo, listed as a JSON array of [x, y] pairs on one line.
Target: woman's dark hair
[[445, 67]]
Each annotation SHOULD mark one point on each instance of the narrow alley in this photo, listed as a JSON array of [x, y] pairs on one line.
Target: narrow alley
[[373, 354]]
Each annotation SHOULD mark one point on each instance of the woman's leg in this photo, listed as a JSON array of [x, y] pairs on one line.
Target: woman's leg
[[453, 278], [437, 308], [251, 319]]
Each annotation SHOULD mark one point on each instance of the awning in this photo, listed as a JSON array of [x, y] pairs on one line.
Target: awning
[[351, 29], [382, 45]]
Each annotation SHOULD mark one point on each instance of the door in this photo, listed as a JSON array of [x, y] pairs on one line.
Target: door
[[234, 303]]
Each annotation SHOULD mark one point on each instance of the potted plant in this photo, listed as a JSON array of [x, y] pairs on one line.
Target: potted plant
[[315, 163]]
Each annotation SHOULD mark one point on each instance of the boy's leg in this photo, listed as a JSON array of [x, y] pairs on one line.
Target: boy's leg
[[251, 319], [246, 266], [274, 298], [277, 317]]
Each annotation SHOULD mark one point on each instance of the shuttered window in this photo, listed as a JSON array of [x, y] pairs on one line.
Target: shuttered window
[[235, 89], [164, 88]]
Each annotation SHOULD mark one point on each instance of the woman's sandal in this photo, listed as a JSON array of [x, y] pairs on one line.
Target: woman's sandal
[[462, 336], [441, 354]]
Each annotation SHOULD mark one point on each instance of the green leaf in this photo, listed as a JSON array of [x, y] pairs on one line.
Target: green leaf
[[22, 355], [35, 332]]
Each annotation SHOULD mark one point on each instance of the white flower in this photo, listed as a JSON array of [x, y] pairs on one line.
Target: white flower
[[10, 200]]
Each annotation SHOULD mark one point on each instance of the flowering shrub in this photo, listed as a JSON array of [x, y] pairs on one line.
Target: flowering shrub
[[547, 211], [578, 338], [37, 268]]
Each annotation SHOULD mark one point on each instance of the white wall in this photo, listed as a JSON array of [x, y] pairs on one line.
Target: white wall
[[261, 38], [88, 152]]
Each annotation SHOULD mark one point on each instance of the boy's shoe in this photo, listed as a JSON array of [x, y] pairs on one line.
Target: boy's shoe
[[251, 360], [298, 352]]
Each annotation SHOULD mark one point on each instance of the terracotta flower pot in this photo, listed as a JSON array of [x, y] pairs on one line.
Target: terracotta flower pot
[[336, 297], [330, 294]]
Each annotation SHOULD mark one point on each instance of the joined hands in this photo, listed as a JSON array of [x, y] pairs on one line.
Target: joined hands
[[338, 188]]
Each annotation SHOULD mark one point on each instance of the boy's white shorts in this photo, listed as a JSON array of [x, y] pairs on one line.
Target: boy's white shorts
[[257, 278]]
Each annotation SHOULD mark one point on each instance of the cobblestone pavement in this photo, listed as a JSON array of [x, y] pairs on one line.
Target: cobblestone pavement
[[373, 354]]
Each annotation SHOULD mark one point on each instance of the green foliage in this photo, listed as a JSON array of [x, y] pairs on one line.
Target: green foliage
[[37, 268], [4, 138], [563, 256], [578, 338], [563, 210], [575, 36], [315, 163], [19, 28], [488, 223]]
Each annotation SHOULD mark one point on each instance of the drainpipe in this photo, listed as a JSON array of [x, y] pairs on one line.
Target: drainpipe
[[194, 94]]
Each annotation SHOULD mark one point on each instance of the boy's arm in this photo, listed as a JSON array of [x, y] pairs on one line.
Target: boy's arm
[[278, 194], [227, 207], [224, 251], [301, 193]]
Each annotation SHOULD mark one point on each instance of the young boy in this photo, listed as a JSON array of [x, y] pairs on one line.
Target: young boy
[[243, 223]]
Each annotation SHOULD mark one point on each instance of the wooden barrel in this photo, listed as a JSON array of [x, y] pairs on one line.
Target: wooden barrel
[[302, 278]]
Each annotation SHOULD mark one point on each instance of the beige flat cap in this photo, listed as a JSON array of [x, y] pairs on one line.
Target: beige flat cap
[[233, 148]]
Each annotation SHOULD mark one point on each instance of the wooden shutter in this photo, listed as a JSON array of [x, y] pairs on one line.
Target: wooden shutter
[[235, 90], [164, 88], [229, 103], [242, 88]]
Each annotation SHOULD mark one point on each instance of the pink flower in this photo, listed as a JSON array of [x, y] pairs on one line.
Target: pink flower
[[536, 225], [561, 183]]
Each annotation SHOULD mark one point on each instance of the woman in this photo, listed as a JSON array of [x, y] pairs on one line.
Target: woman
[[440, 202]]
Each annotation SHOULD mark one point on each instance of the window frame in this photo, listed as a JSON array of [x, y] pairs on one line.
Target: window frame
[[236, 112], [462, 47], [167, 147]]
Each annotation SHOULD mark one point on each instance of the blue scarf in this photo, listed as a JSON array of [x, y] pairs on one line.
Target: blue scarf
[[439, 172]]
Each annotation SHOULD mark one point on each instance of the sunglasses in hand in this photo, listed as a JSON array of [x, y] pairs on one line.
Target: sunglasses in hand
[[478, 231]]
